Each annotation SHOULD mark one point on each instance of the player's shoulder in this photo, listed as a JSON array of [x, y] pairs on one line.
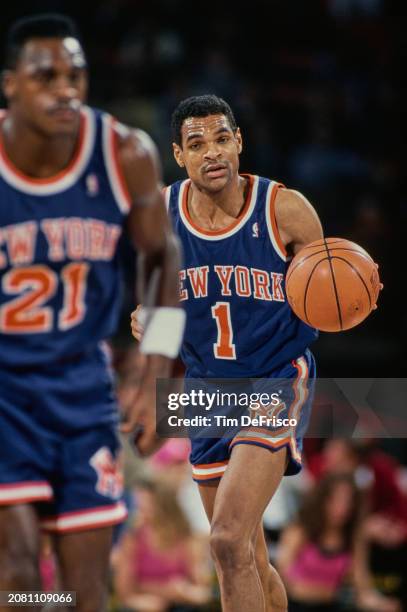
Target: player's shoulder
[[291, 203], [130, 142], [134, 142]]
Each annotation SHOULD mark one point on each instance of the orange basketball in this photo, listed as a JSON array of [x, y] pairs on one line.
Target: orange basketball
[[332, 284]]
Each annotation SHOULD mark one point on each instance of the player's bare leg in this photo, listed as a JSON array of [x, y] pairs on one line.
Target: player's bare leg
[[84, 567], [248, 484], [273, 588], [19, 550]]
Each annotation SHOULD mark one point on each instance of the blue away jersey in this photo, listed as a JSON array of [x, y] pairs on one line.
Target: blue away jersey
[[239, 323], [60, 283]]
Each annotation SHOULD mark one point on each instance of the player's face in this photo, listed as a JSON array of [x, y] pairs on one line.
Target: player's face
[[48, 85], [209, 152]]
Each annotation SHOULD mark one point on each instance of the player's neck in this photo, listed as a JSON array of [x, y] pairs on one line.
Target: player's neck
[[40, 156], [217, 210]]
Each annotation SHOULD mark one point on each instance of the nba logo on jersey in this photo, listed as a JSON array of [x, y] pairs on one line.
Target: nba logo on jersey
[[92, 185], [255, 230]]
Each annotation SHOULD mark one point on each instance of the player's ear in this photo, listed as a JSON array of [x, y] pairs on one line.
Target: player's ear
[[179, 157], [239, 140], [8, 84]]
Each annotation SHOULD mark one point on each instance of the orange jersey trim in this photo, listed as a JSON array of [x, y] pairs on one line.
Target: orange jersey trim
[[272, 212], [230, 227], [52, 179], [208, 466]]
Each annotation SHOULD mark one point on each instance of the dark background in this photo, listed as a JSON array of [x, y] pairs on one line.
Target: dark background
[[316, 89]]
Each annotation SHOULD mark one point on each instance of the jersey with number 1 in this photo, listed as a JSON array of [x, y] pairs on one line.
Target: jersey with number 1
[[60, 283], [239, 323]]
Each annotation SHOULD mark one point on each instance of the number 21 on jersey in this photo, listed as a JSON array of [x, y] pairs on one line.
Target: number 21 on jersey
[[33, 287]]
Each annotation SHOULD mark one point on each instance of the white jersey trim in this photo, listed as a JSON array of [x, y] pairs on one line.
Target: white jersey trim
[[25, 491], [63, 180], [167, 196], [273, 232], [226, 234], [113, 171], [86, 519]]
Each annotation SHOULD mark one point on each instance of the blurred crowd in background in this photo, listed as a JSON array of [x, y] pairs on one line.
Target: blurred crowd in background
[[337, 533], [315, 87]]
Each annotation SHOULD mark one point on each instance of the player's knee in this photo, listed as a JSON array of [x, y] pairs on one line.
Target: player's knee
[[230, 549]]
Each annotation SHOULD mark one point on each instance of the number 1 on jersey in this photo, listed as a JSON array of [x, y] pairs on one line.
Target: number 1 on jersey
[[224, 347]]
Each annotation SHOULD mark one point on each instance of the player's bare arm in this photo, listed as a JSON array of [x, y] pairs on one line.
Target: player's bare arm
[[297, 220], [148, 223], [159, 258]]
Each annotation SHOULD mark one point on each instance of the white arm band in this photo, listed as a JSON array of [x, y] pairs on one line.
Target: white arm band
[[163, 330]]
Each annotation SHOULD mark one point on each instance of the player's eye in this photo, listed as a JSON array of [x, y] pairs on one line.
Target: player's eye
[[44, 76], [75, 76], [195, 146], [223, 139]]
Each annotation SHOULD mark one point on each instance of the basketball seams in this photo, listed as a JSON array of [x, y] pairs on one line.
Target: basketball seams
[[309, 288], [323, 251], [306, 288], [338, 305], [359, 275], [313, 244]]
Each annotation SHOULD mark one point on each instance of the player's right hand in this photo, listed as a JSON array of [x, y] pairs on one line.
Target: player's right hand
[[136, 328]]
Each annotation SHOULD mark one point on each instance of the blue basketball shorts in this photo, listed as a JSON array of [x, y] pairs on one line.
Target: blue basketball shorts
[[59, 446], [210, 456]]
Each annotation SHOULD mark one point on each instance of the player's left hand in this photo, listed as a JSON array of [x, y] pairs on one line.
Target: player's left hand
[[139, 415]]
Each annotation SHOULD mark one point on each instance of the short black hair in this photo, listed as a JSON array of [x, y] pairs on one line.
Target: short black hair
[[47, 25], [200, 106]]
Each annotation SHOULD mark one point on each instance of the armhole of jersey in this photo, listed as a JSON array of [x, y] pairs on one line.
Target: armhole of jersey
[[113, 169], [271, 219], [167, 196]]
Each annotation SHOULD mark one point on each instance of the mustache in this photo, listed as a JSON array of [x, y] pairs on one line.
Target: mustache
[[73, 105], [220, 165]]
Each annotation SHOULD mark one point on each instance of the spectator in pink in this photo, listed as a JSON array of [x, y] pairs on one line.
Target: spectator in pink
[[325, 548], [159, 563]]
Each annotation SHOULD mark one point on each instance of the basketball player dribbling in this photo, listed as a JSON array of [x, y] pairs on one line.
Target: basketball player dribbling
[[238, 233], [70, 177]]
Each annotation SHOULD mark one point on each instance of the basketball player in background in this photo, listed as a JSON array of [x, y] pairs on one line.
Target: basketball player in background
[[238, 233], [70, 177]]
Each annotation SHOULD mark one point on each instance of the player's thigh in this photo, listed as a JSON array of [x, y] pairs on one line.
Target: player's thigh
[[83, 560], [250, 481], [19, 546]]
